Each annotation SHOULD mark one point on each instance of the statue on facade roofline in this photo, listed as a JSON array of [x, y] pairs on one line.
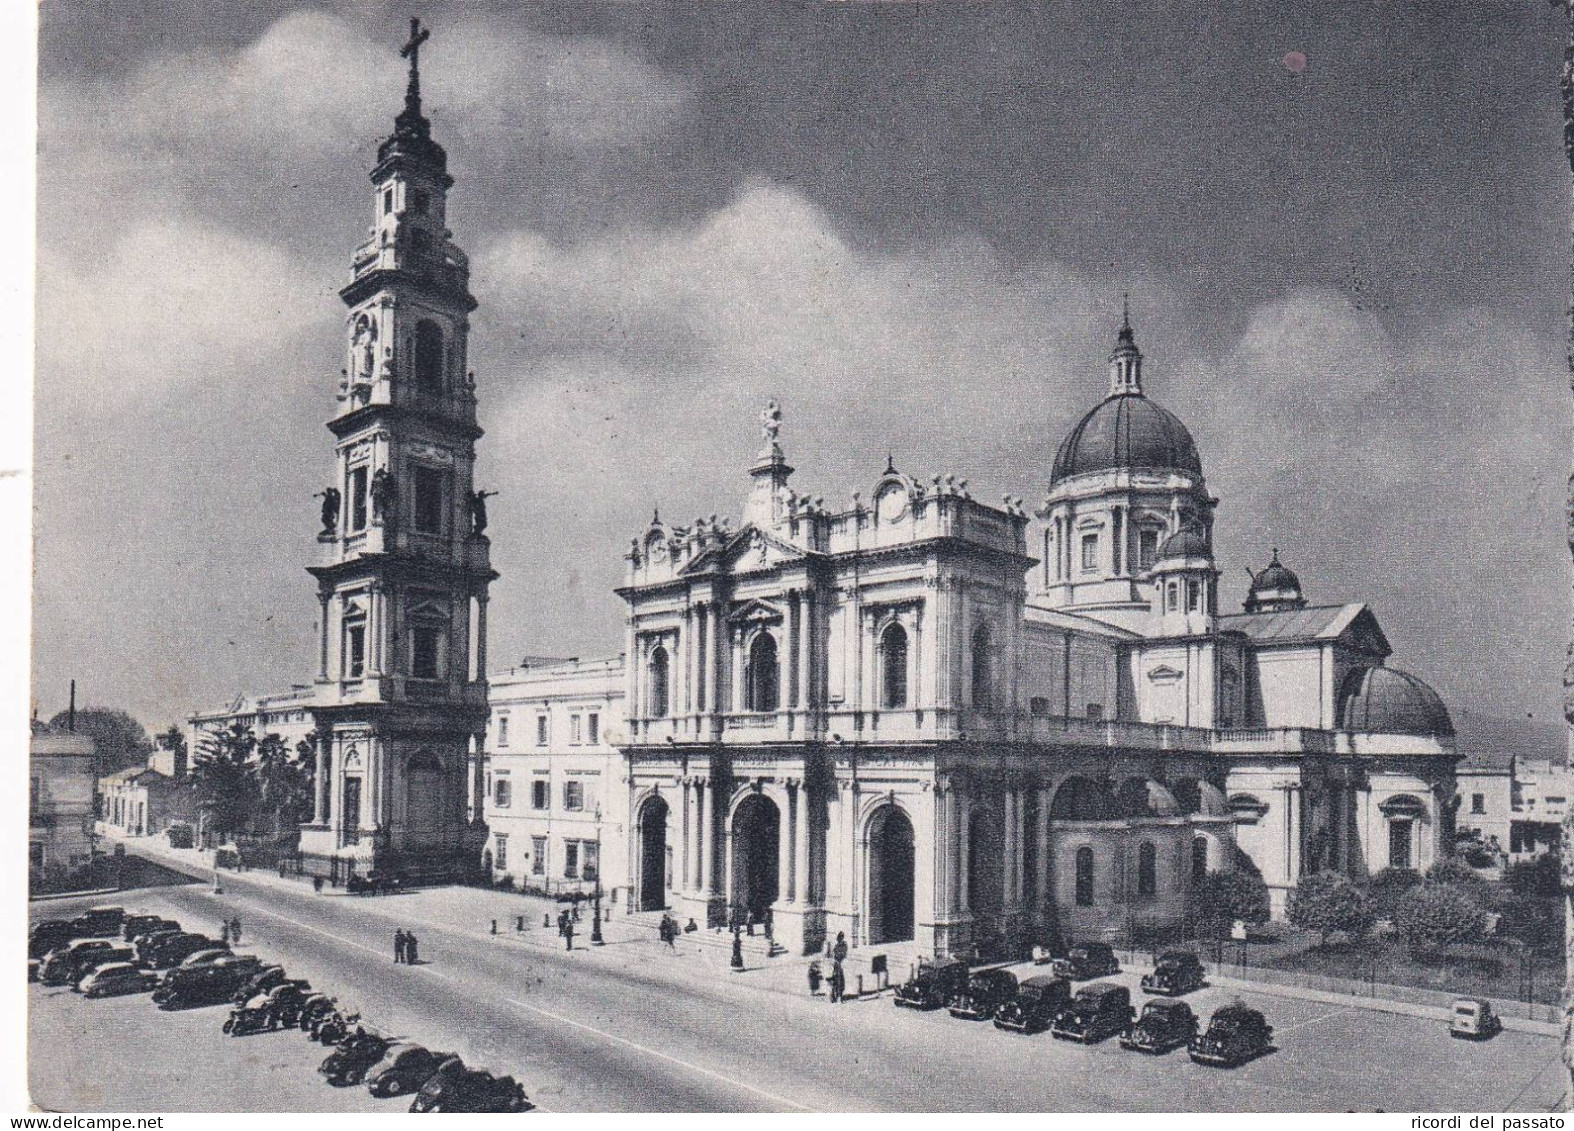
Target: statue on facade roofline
[[330, 509], [478, 518], [384, 492], [771, 422]]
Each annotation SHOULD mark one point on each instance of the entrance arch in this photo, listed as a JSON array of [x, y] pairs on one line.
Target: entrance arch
[[756, 841], [653, 854], [890, 876]]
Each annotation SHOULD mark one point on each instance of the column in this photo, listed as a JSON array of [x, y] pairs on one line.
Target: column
[[1008, 849], [787, 659], [964, 857], [704, 844], [320, 793], [803, 893], [322, 648], [685, 857], [784, 843], [1043, 895], [795, 645], [480, 636], [806, 652]]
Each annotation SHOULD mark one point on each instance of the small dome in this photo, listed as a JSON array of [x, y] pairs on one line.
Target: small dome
[[1127, 432], [1187, 543], [1389, 701], [1276, 576]]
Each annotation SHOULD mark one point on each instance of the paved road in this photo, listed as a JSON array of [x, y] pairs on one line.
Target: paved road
[[630, 1028]]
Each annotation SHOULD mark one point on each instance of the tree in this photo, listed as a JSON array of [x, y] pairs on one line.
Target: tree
[[1535, 921], [175, 739], [226, 787], [1433, 916], [1326, 902], [284, 781], [1386, 888], [1541, 876], [119, 742], [1223, 897], [1460, 875]]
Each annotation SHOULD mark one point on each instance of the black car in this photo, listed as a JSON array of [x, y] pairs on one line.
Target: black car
[[198, 986], [1098, 1011], [48, 935], [99, 922], [144, 944], [374, 883], [1087, 960], [933, 985], [1177, 972], [462, 1089], [172, 950], [260, 983], [984, 993], [1037, 1002], [1235, 1035], [93, 959], [404, 1069], [1164, 1025], [65, 965], [133, 924], [349, 1063]]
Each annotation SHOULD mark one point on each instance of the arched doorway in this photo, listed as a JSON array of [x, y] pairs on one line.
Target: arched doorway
[[756, 840], [890, 876], [423, 805], [653, 855]]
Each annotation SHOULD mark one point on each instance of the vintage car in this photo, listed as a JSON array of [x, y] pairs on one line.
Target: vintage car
[[316, 1008], [133, 924], [48, 935], [455, 1088], [1098, 1011], [205, 957], [116, 978], [405, 1068], [1087, 960], [356, 1055], [172, 950], [1177, 972], [1164, 1025], [1474, 1018], [984, 993], [1038, 1000], [279, 1008], [335, 1027], [152, 929], [260, 983], [65, 965], [374, 883], [932, 985], [1235, 1035], [99, 922], [188, 988], [93, 959]]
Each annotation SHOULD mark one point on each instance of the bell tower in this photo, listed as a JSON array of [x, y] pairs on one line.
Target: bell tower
[[403, 560]]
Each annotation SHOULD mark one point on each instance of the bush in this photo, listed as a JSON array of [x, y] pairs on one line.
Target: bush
[[1223, 897], [1433, 916], [1535, 921], [1456, 873], [1388, 887], [1326, 901], [1534, 877]]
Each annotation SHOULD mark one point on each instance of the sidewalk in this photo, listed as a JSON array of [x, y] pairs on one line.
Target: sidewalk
[[629, 940]]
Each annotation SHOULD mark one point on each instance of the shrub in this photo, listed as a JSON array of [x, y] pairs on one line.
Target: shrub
[[1386, 888], [1534, 877], [1534, 920], [1223, 897], [1456, 873], [1326, 902], [1437, 915]]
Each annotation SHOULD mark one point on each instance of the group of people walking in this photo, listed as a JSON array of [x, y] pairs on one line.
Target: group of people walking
[[229, 932], [405, 947]]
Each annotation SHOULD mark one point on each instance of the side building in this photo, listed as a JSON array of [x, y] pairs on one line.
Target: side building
[[60, 804]]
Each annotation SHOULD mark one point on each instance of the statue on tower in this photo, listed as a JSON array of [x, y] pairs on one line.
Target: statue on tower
[[478, 512], [330, 509], [384, 492], [771, 422]]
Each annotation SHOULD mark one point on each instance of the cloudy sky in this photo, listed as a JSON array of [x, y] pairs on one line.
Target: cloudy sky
[[910, 223]]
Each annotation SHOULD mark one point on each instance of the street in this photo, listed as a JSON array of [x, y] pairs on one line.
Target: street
[[631, 1027]]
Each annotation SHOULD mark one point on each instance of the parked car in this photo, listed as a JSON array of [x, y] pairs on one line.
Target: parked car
[[461, 1089], [116, 978], [279, 1008], [357, 1054], [260, 983], [334, 1029], [150, 929], [1235, 1035], [1098, 1011], [47, 935], [196, 986], [1177, 972], [985, 992], [172, 950], [404, 1069], [1474, 1018], [1164, 1025], [132, 924], [374, 883], [205, 957], [314, 1009], [144, 944], [933, 985], [1038, 1000], [93, 959], [99, 922], [63, 965], [1087, 960]]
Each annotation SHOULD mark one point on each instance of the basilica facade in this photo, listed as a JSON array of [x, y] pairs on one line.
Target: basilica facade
[[933, 719]]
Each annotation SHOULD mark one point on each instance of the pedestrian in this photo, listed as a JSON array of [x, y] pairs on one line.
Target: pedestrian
[[814, 979], [317, 884], [669, 928], [562, 923], [839, 951], [838, 983], [748, 921], [224, 934], [409, 949], [568, 933], [235, 930], [399, 945]]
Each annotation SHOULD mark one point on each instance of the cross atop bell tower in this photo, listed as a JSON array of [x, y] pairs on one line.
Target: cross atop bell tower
[[412, 52]]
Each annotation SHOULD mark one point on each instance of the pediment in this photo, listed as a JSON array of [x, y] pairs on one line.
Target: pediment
[[755, 612], [1165, 674], [1364, 634], [749, 550]]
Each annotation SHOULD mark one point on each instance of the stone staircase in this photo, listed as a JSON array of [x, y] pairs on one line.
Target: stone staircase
[[756, 949]]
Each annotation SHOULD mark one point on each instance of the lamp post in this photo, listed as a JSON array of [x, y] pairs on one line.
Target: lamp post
[[595, 922]]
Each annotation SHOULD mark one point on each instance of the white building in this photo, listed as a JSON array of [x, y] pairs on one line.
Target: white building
[[60, 803]]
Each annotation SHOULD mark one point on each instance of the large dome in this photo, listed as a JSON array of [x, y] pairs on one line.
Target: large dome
[[1389, 701], [1127, 432]]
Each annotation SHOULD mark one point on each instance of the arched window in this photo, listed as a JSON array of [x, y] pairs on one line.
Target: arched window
[[762, 681], [983, 658], [1199, 859], [429, 356], [893, 663], [1084, 877], [1147, 869], [658, 682]]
